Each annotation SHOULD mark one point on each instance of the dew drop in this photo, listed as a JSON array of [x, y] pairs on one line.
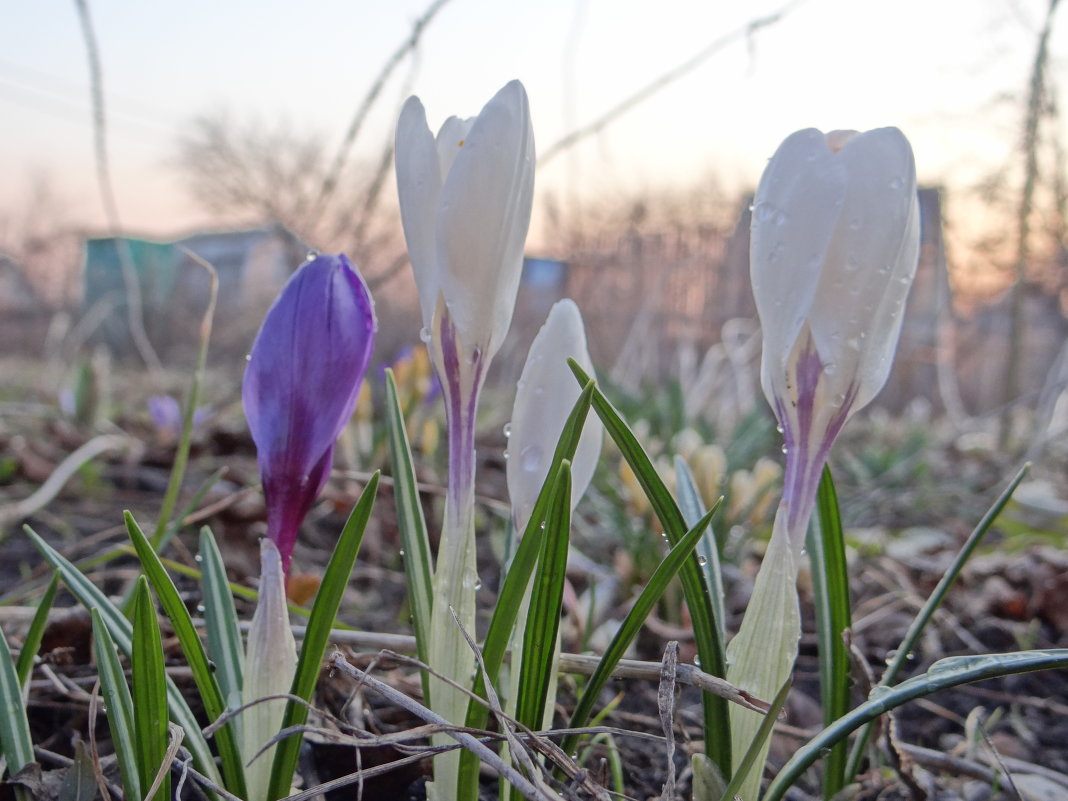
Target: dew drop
[[424, 334], [401, 552], [507, 430], [785, 449], [505, 454], [248, 357], [779, 428], [200, 609], [530, 458], [764, 212], [702, 560], [198, 558], [312, 255], [830, 368], [896, 184], [696, 660], [478, 583]]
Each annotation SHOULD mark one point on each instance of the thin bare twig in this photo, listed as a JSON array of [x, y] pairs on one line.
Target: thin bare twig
[[464, 738], [63, 473], [337, 165], [672, 75], [134, 311]]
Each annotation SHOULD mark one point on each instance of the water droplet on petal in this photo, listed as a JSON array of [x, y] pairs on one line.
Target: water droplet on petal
[[896, 184], [764, 212], [424, 334], [312, 255], [478, 583], [530, 458], [702, 560], [199, 558], [507, 430]]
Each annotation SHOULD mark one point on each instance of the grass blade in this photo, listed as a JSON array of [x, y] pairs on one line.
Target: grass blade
[[693, 509], [939, 593], [121, 630], [514, 587], [32, 643], [149, 692], [181, 455], [710, 646], [195, 656], [756, 749], [14, 727], [830, 588], [547, 594], [677, 557], [220, 619], [317, 634], [119, 705], [943, 674], [418, 564]]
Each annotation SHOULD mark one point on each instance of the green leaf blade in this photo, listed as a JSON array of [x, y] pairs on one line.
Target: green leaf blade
[[543, 622], [317, 634], [119, 705], [195, 655], [830, 587], [149, 692]]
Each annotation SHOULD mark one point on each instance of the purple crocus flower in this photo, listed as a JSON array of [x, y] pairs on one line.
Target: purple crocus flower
[[301, 386]]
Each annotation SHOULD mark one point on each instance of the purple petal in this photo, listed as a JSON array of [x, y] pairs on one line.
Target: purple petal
[[302, 382]]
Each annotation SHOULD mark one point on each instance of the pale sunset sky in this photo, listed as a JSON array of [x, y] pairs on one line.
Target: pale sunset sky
[[951, 73]]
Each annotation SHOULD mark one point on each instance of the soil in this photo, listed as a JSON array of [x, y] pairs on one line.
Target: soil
[[1010, 597]]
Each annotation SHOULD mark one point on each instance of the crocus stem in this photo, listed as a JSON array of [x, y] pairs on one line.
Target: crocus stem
[[455, 575], [761, 656]]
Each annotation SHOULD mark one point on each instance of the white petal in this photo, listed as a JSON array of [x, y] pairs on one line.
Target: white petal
[[546, 393], [418, 189], [856, 315], [795, 213], [450, 140], [270, 664], [483, 219]]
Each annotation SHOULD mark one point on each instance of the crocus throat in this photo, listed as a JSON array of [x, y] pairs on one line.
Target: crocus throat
[[461, 380], [809, 431]]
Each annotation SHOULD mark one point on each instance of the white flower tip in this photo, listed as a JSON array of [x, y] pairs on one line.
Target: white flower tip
[[545, 395]]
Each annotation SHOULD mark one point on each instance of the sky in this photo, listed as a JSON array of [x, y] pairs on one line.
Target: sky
[[950, 73]]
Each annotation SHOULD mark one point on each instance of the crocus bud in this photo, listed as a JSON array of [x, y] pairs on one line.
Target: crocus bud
[[465, 201], [835, 241], [544, 397], [301, 386]]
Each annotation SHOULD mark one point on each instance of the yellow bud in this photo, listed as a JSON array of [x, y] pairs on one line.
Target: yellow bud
[[709, 465]]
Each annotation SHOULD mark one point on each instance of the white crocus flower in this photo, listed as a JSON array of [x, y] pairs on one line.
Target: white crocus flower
[[465, 200], [270, 664], [546, 392], [835, 242]]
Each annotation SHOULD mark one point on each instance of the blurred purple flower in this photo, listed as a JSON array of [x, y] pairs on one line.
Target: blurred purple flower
[[301, 386], [166, 414]]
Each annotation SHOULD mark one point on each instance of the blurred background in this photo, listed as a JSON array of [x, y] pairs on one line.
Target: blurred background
[[248, 133]]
